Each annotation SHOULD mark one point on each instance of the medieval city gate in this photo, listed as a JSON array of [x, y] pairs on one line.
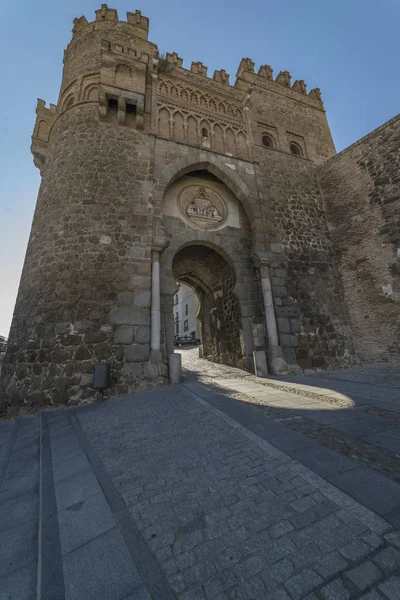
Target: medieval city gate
[[210, 248], [154, 173], [213, 279]]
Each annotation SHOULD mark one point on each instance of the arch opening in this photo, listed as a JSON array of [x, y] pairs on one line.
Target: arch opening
[[212, 279]]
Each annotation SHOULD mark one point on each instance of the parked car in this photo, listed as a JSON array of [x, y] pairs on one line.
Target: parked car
[[186, 341]]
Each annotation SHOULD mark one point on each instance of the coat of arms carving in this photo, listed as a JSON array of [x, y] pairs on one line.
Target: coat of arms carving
[[201, 211]]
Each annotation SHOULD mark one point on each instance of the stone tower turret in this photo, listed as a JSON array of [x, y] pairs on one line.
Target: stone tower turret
[[90, 244]]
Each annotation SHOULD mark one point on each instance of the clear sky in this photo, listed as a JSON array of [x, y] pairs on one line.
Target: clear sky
[[348, 48]]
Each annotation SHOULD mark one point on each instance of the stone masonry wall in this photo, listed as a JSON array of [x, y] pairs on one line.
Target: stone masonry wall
[[311, 314], [362, 203], [85, 288]]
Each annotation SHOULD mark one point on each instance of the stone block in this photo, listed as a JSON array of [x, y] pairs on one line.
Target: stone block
[[127, 315], [137, 353], [126, 298], [102, 351], [280, 273], [388, 560], [295, 325], [119, 353], [175, 367], [142, 298], [94, 337], [124, 334], [156, 356], [283, 324], [287, 311], [288, 340], [133, 369], [279, 291], [364, 575], [278, 281], [151, 370], [82, 326], [142, 335], [140, 281], [260, 363], [335, 591]]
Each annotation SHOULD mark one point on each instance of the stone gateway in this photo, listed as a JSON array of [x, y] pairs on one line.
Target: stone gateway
[[153, 175]]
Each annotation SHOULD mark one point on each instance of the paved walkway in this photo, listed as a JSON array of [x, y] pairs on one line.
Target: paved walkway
[[328, 421], [192, 494]]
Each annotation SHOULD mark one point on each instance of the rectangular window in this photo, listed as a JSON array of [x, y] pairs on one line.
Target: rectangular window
[[113, 103], [176, 299], [130, 109], [176, 317], [177, 329], [186, 325], [186, 309]]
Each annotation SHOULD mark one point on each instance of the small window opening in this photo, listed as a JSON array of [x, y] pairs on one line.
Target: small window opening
[[69, 102], [268, 141], [204, 132], [113, 104], [295, 149], [130, 109]]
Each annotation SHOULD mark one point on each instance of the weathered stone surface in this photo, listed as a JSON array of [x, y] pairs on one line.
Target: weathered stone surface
[[126, 315], [133, 369], [126, 298], [124, 335], [102, 351], [82, 353], [142, 298], [142, 335], [283, 325], [137, 353]]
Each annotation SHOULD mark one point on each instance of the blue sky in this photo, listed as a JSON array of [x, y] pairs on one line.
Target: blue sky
[[348, 48]]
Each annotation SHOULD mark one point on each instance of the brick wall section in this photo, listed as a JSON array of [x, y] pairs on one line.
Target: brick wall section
[[362, 204]]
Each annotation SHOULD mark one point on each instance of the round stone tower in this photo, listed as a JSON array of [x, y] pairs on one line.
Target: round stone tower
[[85, 292]]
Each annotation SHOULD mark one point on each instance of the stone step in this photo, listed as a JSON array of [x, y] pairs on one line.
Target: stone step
[[19, 507]]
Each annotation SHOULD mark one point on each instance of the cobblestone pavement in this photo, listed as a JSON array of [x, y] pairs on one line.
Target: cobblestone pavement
[[227, 516], [381, 374], [380, 451]]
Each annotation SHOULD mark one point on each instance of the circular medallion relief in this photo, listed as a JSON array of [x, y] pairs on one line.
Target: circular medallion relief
[[202, 207]]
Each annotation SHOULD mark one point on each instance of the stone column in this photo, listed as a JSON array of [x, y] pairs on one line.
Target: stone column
[[155, 301], [276, 363]]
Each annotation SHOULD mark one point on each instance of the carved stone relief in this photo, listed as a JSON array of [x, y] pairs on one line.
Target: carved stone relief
[[202, 207]]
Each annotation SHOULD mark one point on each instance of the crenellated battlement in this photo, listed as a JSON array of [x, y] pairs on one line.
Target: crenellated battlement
[[246, 75], [136, 22], [45, 117]]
